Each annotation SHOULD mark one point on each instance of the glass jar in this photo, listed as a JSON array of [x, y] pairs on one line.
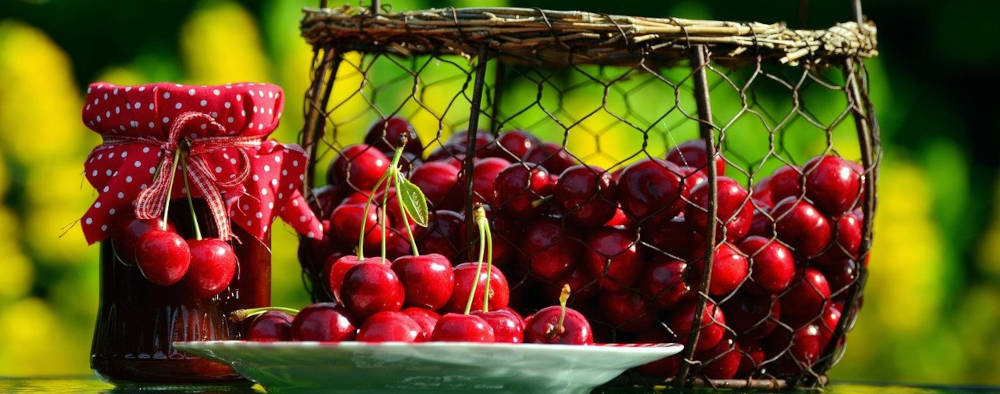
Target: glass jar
[[138, 321]]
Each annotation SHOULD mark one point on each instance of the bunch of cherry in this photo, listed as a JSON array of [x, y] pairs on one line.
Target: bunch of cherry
[[630, 242], [203, 266]]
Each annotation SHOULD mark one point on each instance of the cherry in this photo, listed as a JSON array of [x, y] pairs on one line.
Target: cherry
[[461, 139], [584, 193], [442, 234], [804, 348], [213, 264], [806, 298], [126, 237], [360, 166], [558, 324], [325, 322], [691, 177], [663, 368], [584, 286], [427, 319], [389, 326], [773, 264], [663, 281], [270, 326], [761, 195], [650, 189], [620, 220], [722, 361], [753, 357], [729, 269], [752, 316], [465, 275], [612, 256], [428, 279], [550, 252], [508, 326], [370, 288], [551, 156], [840, 275], [785, 182], [346, 221], [396, 243], [762, 224], [162, 256], [846, 240], [692, 153], [512, 145], [801, 226], [674, 238], [518, 186], [440, 183], [337, 268], [832, 184], [324, 199], [503, 251], [484, 173], [734, 209], [828, 323], [626, 311], [385, 135], [455, 327], [712, 324]]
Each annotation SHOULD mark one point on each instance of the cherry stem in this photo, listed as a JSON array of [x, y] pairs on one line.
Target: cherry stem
[[537, 203], [364, 217], [170, 188], [390, 172], [479, 267], [194, 218], [406, 219], [563, 298], [243, 314], [385, 204], [484, 228]]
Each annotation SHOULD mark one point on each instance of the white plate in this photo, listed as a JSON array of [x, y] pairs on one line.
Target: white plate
[[428, 366]]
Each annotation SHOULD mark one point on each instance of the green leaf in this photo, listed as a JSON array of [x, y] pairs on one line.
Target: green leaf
[[414, 202]]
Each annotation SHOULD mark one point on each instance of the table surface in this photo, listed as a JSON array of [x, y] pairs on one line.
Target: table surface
[[90, 384]]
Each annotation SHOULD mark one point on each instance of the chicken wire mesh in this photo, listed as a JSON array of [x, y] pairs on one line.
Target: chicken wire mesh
[[593, 165]]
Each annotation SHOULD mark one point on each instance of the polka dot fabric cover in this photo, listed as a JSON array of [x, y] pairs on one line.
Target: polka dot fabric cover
[[134, 122]]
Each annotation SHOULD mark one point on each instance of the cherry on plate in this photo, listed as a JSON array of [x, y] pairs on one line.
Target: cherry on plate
[[370, 288], [465, 276], [455, 327], [508, 326], [389, 326], [428, 279], [270, 326], [324, 322]]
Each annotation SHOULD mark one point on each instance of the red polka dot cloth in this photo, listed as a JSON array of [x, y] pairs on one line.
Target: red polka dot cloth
[[218, 137]]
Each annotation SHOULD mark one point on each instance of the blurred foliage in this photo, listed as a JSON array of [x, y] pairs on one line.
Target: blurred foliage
[[932, 304]]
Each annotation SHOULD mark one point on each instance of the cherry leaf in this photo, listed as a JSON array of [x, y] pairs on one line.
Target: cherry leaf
[[414, 202]]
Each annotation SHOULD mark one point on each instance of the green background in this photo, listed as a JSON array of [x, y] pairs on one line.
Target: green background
[[932, 304]]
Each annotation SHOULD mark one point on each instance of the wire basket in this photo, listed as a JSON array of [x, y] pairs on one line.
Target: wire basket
[[628, 97]]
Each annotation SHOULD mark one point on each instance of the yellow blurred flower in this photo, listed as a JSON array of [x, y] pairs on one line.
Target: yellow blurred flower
[[221, 43], [53, 236], [18, 274], [38, 342]]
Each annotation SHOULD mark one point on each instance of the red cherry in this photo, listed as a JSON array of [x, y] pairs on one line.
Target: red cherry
[[461, 139], [126, 237], [518, 186], [804, 348], [484, 173], [785, 182], [773, 264], [550, 252], [734, 209], [832, 184], [729, 269], [370, 288], [213, 264], [620, 220], [691, 177], [801, 226], [324, 199], [650, 190], [762, 223], [585, 195], [360, 166], [270, 326], [385, 135], [693, 154], [162, 256], [543, 327], [512, 145], [840, 275], [428, 279], [346, 224], [663, 368], [389, 326], [465, 274], [828, 323], [324, 322], [612, 256], [663, 281], [442, 234], [508, 326], [584, 286], [752, 316], [337, 270], [753, 357], [427, 319], [454, 327], [762, 197], [626, 311], [712, 324], [721, 361], [846, 240], [440, 183], [551, 156], [674, 238], [806, 298]]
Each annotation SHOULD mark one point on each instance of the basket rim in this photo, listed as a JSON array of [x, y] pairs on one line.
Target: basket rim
[[559, 38]]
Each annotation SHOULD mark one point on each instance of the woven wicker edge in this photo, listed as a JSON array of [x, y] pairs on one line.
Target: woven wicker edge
[[560, 38]]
